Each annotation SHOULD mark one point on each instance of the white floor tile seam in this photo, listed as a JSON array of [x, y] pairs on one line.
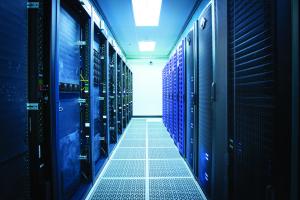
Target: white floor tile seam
[[147, 184], [133, 139], [159, 147], [149, 159], [127, 159], [124, 178], [144, 178]]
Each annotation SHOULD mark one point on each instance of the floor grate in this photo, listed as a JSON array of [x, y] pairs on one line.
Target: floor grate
[[125, 168], [133, 143], [183, 188], [146, 165], [160, 142], [134, 136], [130, 153], [168, 168], [163, 153], [128, 189]]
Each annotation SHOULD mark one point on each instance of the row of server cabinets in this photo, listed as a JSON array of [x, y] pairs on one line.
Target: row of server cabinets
[[66, 97], [227, 100]]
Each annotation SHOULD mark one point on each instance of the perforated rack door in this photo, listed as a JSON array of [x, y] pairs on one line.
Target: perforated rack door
[[253, 102], [168, 96], [181, 99], [69, 127], [205, 117], [164, 95], [175, 97], [190, 92]]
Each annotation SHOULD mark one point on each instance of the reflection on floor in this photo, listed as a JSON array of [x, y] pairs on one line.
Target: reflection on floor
[[146, 165]]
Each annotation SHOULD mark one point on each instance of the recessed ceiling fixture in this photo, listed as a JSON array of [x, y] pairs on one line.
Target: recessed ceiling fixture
[[147, 45], [146, 12]]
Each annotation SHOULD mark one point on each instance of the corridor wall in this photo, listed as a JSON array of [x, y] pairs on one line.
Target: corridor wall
[[147, 84]]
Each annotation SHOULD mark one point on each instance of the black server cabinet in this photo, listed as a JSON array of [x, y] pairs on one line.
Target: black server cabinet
[[112, 87], [39, 14], [130, 94], [259, 50], [14, 160], [124, 96], [206, 98], [119, 95], [74, 117], [101, 121], [191, 99]]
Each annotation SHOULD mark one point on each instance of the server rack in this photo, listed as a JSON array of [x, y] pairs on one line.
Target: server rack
[[14, 137], [191, 99], [131, 95], [112, 86], [163, 96], [61, 126], [74, 100], [181, 99], [206, 98], [101, 138], [175, 99], [120, 94], [124, 95], [127, 94], [170, 99], [259, 87]]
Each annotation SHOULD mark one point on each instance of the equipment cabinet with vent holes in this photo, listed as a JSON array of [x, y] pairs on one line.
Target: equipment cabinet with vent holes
[[229, 82], [70, 83]]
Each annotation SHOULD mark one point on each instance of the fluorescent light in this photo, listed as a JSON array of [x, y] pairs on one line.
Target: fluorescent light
[[146, 12], [147, 46]]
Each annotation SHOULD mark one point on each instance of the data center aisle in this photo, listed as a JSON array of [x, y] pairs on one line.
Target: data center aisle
[[146, 165]]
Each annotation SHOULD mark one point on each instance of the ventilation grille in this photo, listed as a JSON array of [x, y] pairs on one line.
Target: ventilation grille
[[205, 103], [127, 189], [251, 93], [181, 188], [174, 130], [181, 105]]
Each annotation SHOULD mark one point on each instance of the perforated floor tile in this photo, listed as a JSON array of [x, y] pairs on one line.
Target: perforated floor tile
[[120, 189], [168, 168], [160, 143], [183, 188], [158, 136], [130, 153], [125, 168], [135, 136], [133, 143], [126, 174], [163, 153]]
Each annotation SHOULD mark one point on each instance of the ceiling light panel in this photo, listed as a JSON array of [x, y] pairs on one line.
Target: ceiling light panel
[[147, 45], [146, 12]]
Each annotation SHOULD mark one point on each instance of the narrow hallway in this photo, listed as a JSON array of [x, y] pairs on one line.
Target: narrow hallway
[[146, 165], [149, 100]]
